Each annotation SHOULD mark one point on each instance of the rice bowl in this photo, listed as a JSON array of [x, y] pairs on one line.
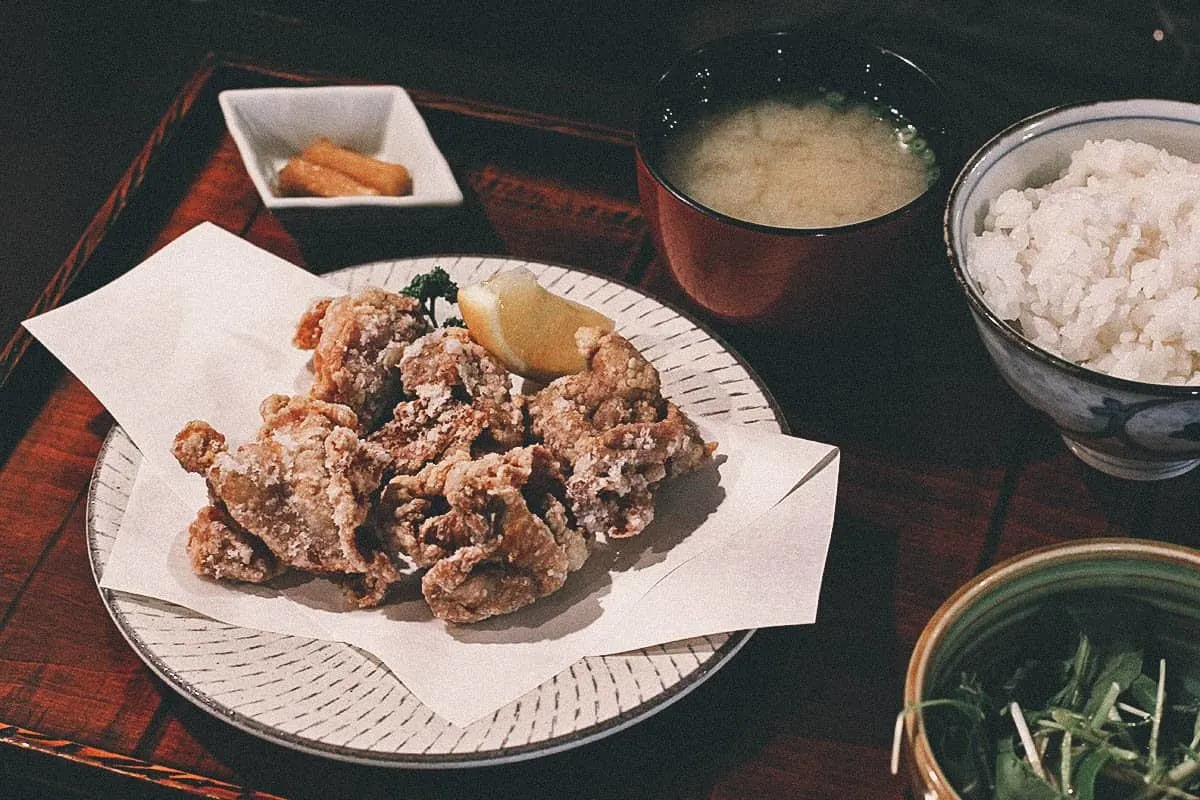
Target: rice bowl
[[1102, 266], [1034, 323]]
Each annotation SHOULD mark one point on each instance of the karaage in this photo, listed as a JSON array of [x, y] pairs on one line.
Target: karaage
[[357, 341], [619, 436], [220, 548], [303, 488], [459, 401], [412, 447], [493, 531]]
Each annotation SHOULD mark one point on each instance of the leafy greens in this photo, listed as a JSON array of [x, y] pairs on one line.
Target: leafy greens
[[1109, 707]]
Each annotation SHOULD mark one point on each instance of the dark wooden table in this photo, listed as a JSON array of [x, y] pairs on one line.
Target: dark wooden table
[[943, 472]]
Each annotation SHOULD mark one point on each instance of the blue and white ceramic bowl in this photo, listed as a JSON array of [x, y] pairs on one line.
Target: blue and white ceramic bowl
[[1126, 428]]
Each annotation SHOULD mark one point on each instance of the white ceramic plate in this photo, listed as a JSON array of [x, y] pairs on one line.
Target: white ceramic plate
[[334, 700]]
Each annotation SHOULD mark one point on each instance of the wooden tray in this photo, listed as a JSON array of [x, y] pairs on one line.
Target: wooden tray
[[943, 472]]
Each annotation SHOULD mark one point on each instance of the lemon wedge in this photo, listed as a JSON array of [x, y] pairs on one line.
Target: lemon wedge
[[529, 329]]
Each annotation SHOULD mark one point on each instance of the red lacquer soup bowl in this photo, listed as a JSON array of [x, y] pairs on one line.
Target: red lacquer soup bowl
[[788, 277]]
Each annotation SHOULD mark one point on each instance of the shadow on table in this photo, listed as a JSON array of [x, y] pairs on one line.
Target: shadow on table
[[326, 248], [1164, 510], [909, 376], [846, 673]]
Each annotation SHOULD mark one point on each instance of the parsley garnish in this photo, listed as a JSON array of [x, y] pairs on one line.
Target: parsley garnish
[[427, 288]]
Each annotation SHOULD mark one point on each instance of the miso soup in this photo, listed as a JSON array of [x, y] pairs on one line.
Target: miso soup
[[808, 164]]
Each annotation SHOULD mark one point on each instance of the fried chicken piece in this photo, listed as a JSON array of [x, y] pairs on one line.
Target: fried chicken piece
[[303, 487], [618, 386], [621, 438], [414, 520], [493, 531], [220, 548], [357, 340], [461, 402], [613, 480]]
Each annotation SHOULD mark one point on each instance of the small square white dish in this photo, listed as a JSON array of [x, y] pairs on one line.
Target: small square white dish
[[271, 125]]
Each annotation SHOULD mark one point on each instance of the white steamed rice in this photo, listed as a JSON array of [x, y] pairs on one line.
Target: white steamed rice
[[1102, 266]]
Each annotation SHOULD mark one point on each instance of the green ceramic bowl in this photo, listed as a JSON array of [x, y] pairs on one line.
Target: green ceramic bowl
[[989, 619]]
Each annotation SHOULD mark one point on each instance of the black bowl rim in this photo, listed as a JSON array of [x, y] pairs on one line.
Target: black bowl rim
[[1010, 333], [944, 131]]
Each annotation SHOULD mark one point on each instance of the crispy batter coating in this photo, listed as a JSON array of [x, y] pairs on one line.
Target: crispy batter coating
[[460, 402], [611, 424], [496, 521], [619, 386], [613, 480], [357, 340], [303, 486], [220, 548], [492, 530], [447, 360]]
